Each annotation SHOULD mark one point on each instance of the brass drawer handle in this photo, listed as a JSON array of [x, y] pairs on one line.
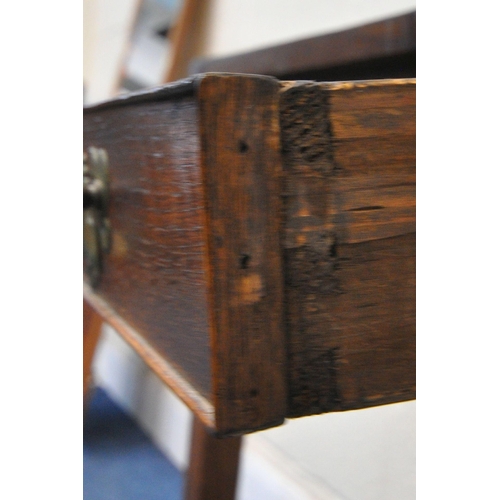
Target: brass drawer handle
[[96, 227]]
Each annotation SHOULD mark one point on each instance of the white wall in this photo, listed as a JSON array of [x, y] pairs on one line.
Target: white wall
[[107, 27], [238, 26]]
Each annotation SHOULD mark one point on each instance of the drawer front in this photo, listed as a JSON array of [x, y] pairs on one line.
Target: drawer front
[[193, 279]]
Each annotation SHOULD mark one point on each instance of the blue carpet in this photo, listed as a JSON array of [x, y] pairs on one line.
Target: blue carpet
[[119, 460]]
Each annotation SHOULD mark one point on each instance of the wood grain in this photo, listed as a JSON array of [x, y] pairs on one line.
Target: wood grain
[[349, 243], [157, 362], [193, 280], [154, 277], [187, 38], [213, 465], [242, 176], [92, 323], [263, 243]]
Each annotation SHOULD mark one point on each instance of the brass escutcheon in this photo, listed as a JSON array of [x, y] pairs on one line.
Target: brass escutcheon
[[96, 227]]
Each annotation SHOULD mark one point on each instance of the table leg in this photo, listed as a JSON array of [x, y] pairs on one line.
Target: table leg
[[92, 323], [213, 468]]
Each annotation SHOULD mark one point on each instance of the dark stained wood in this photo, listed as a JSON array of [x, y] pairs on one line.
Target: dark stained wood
[[263, 243], [154, 277], [384, 49], [167, 371], [206, 316], [242, 175], [213, 465], [92, 324], [187, 38], [349, 243]]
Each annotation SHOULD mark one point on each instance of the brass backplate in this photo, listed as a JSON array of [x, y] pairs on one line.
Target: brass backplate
[[96, 227]]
